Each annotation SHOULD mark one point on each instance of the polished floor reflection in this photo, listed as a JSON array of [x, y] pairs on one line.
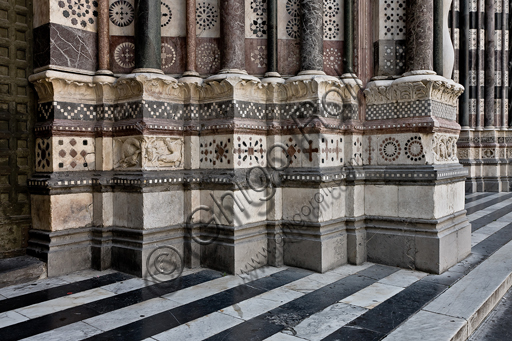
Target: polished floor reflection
[[364, 302]]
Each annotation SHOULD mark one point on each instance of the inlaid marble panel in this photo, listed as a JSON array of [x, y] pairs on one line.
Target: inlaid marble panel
[[173, 52], [333, 20], [333, 57], [207, 55], [82, 14], [256, 19], [256, 56], [122, 54], [207, 19], [288, 19], [289, 56]]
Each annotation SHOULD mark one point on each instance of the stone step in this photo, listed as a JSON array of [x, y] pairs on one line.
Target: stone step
[[457, 313], [21, 269]]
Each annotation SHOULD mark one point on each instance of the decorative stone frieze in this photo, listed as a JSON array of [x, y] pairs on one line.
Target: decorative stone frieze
[[147, 152], [433, 88]]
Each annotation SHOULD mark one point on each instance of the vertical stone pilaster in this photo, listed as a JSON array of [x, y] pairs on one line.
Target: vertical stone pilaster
[[103, 39], [438, 36], [490, 78], [312, 36], [148, 36], [464, 64], [232, 13], [420, 35], [272, 53]]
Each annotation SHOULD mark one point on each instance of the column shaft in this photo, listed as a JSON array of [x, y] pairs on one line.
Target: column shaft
[[438, 36], [490, 79], [464, 64], [420, 35], [348, 36], [103, 37], [232, 34], [272, 35], [311, 48], [147, 36], [191, 36]]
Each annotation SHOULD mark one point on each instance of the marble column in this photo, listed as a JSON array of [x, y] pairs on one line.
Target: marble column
[[420, 36], [490, 78], [271, 41], [148, 39], [464, 64], [232, 36], [504, 62], [348, 37], [311, 47], [191, 75], [438, 37], [103, 39]]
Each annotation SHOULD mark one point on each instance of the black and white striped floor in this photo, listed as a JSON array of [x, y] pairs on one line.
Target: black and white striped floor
[[364, 302]]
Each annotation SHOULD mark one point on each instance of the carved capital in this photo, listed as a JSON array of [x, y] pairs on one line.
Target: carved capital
[[65, 87]]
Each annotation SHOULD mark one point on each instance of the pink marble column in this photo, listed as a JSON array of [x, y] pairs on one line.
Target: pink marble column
[[191, 39], [420, 35], [232, 36], [103, 39]]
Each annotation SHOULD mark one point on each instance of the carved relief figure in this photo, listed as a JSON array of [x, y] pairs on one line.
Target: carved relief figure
[[162, 152], [129, 153], [444, 147]]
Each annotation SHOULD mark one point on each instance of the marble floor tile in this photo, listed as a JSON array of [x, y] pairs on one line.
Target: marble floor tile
[[403, 278], [131, 313], [128, 285], [30, 287], [372, 296], [75, 331], [283, 337], [212, 287], [2, 297], [304, 285], [11, 317], [480, 201], [348, 269], [319, 325], [258, 305], [62, 303], [199, 329]]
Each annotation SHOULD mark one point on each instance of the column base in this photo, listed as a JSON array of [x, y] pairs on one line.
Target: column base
[[191, 77], [105, 72], [272, 77], [148, 70]]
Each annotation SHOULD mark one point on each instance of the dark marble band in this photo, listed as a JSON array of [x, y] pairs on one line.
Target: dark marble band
[[147, 34], [311, 47], [232, 34], [490, 59], [420, 35]]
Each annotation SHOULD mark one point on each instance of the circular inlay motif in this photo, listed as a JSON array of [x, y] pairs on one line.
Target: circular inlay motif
[[166, 14], [414, 149], [259, 7], [292, 28], [331, 29], [390, 149], [206, 16], [332, 58], [168, 55], [259, 27], [121, 13], [80, 11], [208, 57], [331, 8], [124, 55], [293, 8]]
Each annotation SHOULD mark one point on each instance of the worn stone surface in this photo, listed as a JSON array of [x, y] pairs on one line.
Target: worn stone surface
[[420, 35], [232, 16], [311, 35]]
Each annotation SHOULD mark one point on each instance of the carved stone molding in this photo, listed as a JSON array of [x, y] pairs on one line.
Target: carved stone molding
[[148, 152], [59, 86], [444, 148], [433, 88]]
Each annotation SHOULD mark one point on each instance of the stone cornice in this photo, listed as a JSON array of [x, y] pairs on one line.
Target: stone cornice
[[413, 88]]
